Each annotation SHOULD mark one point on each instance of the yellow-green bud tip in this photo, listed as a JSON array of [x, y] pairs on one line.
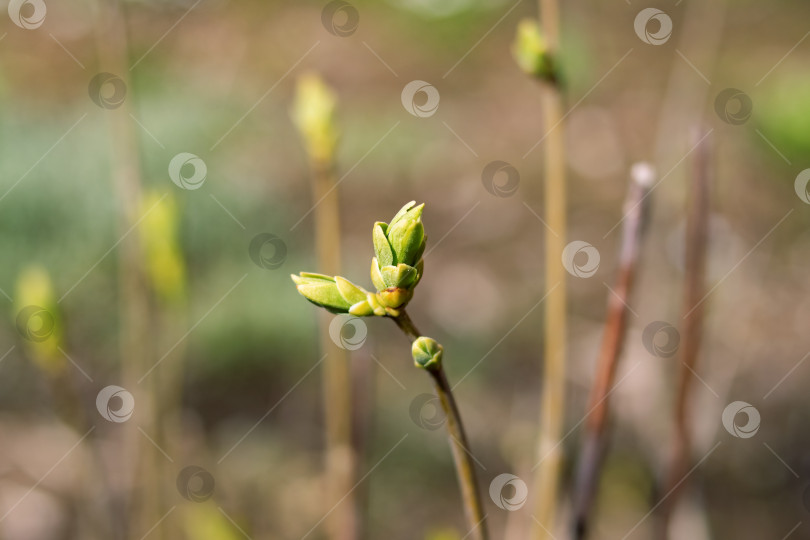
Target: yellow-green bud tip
[[314, 115], [531, 51], [405, 235]]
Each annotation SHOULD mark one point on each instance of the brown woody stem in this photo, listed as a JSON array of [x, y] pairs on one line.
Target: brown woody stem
[[595, 443]]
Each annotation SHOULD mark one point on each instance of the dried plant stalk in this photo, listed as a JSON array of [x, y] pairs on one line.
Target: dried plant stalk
[[595, 442], [695, 245], [552, 406], [337, 403]]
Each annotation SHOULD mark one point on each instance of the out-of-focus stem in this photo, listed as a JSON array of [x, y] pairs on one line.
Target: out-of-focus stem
[[552, 406], [363, 390], [595, 442], [340, 458], [465, 468], [135, 355], [695, 244]]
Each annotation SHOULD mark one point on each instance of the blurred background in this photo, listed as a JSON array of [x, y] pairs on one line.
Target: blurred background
[[168, 381]]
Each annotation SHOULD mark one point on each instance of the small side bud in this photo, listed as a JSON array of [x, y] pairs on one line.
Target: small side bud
[[427, 353]]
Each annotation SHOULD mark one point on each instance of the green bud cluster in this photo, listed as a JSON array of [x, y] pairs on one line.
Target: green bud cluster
[[395, 271], [397, 267]]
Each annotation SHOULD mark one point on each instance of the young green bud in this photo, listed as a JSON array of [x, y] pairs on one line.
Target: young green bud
[[349, 290], [531, 52], [394, 297], [376, 275], [377, 308], [337, 295], [361, 309], [401, 275], [382, 247], [160, 243], [406, 235], [427, 353], [38, 320], [313, 114]]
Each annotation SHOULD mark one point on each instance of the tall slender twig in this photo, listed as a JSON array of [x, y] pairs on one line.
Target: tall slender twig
[[695, 244], [595, 443], [552, 407], [465, 468], [337, 406], [314, 115], [141, 494]]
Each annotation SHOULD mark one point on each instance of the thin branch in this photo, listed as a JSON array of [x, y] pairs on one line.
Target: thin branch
[[465, 468], [340, 455], [696, 241], [595, 443], [552, 405]]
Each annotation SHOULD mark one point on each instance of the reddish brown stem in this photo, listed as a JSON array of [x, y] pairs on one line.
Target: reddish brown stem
[[612, 343], [696, 241]]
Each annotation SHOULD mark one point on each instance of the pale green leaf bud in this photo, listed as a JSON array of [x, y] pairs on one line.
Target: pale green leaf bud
[[401, 275], [376, 275], [361, 309], [349, 290], [406, 235], [325, 292], [402, 211], [382, 247], [314, 116]]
